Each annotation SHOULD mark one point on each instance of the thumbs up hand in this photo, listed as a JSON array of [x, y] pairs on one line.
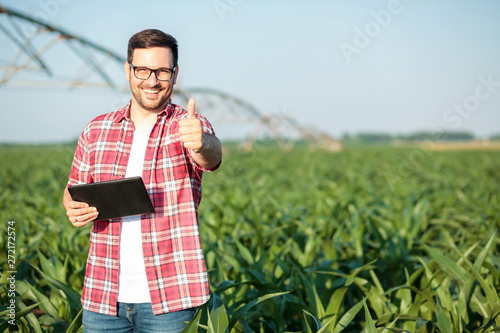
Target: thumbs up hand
[[190, 131], [203, 147]]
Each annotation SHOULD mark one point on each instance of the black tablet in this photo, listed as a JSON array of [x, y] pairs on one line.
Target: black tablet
[[115, 198]]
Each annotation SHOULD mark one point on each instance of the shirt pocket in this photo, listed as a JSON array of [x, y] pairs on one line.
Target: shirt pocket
[[172, 161]]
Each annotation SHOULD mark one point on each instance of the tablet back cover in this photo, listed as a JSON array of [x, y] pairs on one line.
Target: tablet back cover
[[115, 198]]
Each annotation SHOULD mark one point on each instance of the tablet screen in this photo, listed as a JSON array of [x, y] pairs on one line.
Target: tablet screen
[[115, 198]]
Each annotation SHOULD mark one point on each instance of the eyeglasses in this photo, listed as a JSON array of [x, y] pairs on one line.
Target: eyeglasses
[[162, 74]]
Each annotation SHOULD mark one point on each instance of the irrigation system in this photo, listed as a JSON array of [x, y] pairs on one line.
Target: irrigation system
[[36, 47]]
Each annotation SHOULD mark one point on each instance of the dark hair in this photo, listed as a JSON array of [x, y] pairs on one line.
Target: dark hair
[[151, 38]]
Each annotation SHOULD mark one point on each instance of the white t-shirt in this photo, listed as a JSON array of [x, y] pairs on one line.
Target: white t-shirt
[[132, 280]]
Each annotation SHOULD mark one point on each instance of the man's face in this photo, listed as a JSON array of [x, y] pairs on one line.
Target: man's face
[[151, 95]]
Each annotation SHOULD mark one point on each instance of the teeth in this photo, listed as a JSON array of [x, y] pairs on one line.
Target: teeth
[[151, 91]]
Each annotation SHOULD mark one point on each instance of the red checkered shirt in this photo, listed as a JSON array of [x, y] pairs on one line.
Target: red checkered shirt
[[173, 257]]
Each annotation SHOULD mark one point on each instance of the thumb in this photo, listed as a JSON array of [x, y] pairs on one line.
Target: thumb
[[190, 108]]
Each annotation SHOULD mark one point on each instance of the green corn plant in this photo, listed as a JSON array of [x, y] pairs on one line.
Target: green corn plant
[[356, 241]]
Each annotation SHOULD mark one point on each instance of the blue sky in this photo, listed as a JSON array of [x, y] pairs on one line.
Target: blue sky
[[342, 66]]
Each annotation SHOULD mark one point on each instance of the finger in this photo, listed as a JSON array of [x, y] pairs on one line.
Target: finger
[[196, 146], [190, 138], [84, 219], [77, 204], [190, 108], [189, 129], [80, 224], [81, 211], [89, 216]]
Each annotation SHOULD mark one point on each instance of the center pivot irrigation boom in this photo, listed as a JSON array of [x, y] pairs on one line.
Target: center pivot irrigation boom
[[33, 59]]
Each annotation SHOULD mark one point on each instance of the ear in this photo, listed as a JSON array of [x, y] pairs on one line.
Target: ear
[[127, 69], [175, 74]]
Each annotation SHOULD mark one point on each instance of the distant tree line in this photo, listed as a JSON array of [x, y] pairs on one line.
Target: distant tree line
[[418, 136]]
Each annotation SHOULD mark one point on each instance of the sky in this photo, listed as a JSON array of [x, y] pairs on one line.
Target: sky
[[343, 67]]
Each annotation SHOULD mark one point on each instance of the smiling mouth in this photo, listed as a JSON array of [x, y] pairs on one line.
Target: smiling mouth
[[151, 91]]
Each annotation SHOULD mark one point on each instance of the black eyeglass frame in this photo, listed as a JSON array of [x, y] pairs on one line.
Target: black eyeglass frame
[[152, 71]]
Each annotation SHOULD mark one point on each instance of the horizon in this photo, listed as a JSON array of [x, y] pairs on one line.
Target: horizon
[[406, 137]]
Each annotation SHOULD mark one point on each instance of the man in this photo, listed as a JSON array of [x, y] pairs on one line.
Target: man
[[146, 272]]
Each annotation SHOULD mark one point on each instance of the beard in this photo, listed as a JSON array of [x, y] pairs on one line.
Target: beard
[[152, 102]]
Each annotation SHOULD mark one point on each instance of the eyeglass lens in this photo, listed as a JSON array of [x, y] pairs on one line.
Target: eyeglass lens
[[143, 73]]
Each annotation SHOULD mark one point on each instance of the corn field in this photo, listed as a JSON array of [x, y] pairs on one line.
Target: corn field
[[365, 240]]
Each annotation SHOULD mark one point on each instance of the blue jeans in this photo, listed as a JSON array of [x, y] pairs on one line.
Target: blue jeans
[[136, 318]]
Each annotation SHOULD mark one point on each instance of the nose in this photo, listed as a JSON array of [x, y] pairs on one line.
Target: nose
[[152, 79]]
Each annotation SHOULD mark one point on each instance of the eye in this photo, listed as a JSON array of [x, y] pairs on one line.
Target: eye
[[142, 71], [164, 74]]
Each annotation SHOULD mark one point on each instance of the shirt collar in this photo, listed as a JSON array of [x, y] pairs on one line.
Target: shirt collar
[[124, 112]]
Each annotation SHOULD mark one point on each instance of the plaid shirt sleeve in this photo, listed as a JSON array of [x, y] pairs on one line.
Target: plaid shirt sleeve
[[80, 170]]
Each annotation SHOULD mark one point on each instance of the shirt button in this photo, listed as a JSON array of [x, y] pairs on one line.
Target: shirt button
[[115, 242], [129, 134], [115, 263], [119, 175], [124, 154]]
